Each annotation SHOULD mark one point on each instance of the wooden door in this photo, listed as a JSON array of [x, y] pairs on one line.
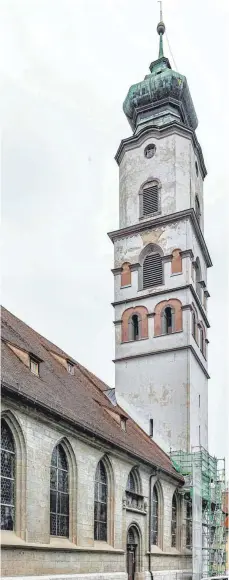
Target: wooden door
[[131, 551]]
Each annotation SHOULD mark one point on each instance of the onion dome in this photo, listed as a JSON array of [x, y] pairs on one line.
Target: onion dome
[[162, 97]]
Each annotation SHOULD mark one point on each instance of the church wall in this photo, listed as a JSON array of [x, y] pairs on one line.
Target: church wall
[[80, 554]]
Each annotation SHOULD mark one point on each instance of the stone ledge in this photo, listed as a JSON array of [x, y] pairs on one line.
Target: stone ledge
[[59, 548], [94, 576]]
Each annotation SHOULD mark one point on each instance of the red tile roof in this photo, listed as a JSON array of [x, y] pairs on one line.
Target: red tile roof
[[78, 399]]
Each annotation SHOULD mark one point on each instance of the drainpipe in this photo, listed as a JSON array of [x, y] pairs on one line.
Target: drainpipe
[[150, 517]]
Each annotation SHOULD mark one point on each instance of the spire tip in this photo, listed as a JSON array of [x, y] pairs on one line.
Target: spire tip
[[161, 31]]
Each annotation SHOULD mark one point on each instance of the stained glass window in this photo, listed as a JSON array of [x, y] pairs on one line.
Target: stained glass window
[[154, 529], [100, 508], [7, 477], [174, 523], [59, 493], [131, 484], [189, 523]]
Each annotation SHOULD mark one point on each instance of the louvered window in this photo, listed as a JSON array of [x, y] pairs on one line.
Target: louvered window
[[152, 271], [150, 200]]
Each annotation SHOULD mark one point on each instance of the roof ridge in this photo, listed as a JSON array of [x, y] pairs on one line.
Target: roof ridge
[[81, 367]]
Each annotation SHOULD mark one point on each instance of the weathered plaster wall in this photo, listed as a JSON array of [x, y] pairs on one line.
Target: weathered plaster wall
[[168, 237], [198, 405], [157, 386], [173, 164]]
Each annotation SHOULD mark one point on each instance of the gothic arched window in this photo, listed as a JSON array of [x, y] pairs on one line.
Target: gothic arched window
[[152, 270], [174, 522], [168, 315], [131, 483], [100, 505], [59, 493], [189, 523], [7, 477], [155, 517]]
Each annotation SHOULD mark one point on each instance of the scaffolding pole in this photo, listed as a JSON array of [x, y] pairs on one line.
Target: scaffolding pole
[[204, 484]]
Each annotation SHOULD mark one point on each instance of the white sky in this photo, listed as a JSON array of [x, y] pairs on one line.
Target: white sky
[[66, 66]]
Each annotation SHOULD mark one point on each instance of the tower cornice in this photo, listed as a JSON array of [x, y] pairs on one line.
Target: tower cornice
[[167, 291], [162, 220], [165, 351], [159, 133]]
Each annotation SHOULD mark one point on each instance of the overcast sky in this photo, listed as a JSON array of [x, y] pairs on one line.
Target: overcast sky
[[66, 66]]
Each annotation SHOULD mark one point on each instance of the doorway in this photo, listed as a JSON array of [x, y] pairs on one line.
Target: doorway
[[132, 552]]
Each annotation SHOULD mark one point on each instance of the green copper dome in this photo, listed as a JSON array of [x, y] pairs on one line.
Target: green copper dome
[[162, 92]]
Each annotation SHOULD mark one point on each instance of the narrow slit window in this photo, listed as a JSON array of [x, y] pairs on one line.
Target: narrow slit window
[[194, 325], [197, 208], [202, 340], [151, 427]]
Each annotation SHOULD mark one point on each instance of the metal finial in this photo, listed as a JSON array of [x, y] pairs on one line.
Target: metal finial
[[161, 18], [161, 30]]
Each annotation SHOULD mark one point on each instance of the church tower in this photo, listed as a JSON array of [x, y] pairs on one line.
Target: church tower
[[160, 263]]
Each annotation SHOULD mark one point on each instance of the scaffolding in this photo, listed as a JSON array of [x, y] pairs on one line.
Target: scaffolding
[[204, 477]]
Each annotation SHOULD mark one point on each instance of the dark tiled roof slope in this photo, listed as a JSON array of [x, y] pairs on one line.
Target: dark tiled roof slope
[[79, 399]]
